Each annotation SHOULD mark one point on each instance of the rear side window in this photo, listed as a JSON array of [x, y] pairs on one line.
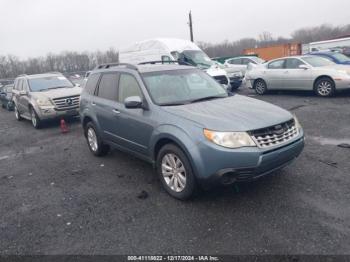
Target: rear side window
[[92, 83], [108, 86], [128, 86], [276, 64]]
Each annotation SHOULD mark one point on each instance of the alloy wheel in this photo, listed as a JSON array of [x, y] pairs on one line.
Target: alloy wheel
[[174, 172], [324, 88], [34, 120], [260, 87], [92, 139], [16, 113]]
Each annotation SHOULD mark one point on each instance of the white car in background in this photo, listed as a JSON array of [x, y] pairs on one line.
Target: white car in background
[[299, 73], [241, 63]]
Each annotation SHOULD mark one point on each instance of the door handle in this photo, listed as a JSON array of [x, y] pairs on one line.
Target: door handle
[[116, 111]]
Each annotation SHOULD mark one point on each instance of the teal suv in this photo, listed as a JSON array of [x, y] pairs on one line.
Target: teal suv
[[186, 124]]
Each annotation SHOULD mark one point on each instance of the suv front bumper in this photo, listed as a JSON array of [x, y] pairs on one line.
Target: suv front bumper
[[46, 113], [224, 166]]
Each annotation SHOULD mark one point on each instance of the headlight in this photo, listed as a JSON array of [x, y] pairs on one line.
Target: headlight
[[297, 123], [229, 139], [342, 71], [43, 102]]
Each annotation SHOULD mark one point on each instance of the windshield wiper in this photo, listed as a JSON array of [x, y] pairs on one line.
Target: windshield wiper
[[57, 87], [206, 98], [173, 104]]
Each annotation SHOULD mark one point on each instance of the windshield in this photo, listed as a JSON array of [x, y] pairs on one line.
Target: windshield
[[317, 61], [197, 58], [182, 86], [50, 82], [341, 58]]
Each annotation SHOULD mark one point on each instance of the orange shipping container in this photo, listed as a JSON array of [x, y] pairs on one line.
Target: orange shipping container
[[275, 51]]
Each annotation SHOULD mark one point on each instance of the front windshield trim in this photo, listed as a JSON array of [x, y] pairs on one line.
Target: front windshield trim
[[61, 85], [175, 103]]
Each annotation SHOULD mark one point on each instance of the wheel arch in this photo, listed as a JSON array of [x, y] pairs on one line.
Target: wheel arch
[[323, 76]]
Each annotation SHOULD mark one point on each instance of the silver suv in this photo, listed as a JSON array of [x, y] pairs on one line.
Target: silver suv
[[45, 96]]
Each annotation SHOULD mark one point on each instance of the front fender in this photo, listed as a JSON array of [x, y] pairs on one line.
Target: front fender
[[189, 144]]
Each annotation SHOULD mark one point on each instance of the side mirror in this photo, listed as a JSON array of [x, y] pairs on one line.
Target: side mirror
[[133, 102], [305, 67]]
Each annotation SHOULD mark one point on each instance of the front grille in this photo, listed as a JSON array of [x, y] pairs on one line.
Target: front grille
[[275, 135], [221, 79], [67, 103]]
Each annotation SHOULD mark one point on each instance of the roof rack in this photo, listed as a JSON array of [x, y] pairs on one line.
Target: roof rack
[[159, 62], [109, 65]]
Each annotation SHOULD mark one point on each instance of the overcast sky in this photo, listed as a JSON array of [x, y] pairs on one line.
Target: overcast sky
[[35, 27]]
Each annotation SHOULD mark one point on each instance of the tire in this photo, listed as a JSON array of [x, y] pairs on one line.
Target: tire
[[36, 122], [94, 141], [324, 87], [183, 184], [260, 87], [17, 113]]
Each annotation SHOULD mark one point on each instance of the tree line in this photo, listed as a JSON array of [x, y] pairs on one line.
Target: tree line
[[65, 62], [303, 35], [68, 61]]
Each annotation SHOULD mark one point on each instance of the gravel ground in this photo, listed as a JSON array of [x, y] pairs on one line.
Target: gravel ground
[[56, 198]]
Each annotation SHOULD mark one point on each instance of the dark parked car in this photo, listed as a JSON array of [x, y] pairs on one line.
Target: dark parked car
[[335, 57], [186, 124], [6, 97]]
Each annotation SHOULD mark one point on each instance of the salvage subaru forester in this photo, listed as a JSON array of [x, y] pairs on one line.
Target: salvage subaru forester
[[186, 124]]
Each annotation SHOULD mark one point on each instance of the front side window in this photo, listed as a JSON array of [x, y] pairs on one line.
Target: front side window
[[49, 82], [293, 63], [128, 86], [246, 61], [107, 88], [276, 64], [181, 86]]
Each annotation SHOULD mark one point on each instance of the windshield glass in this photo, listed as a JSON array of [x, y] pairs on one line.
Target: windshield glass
[[317, 61], [341, 58], [197, 58], [50, 82], [181, 86]]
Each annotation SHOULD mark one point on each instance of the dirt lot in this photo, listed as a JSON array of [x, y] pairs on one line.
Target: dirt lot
[[56, 198]]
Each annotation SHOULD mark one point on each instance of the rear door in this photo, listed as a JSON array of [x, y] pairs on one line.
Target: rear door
[[296, 77], [24, 99], [273, 74], [104, 103], [17, 94]]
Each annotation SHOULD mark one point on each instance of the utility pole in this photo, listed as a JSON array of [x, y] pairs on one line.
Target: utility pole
[[190, 24]]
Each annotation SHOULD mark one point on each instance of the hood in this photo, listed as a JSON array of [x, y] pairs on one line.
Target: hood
[[337, 67], [60, 92], [235, 113]]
